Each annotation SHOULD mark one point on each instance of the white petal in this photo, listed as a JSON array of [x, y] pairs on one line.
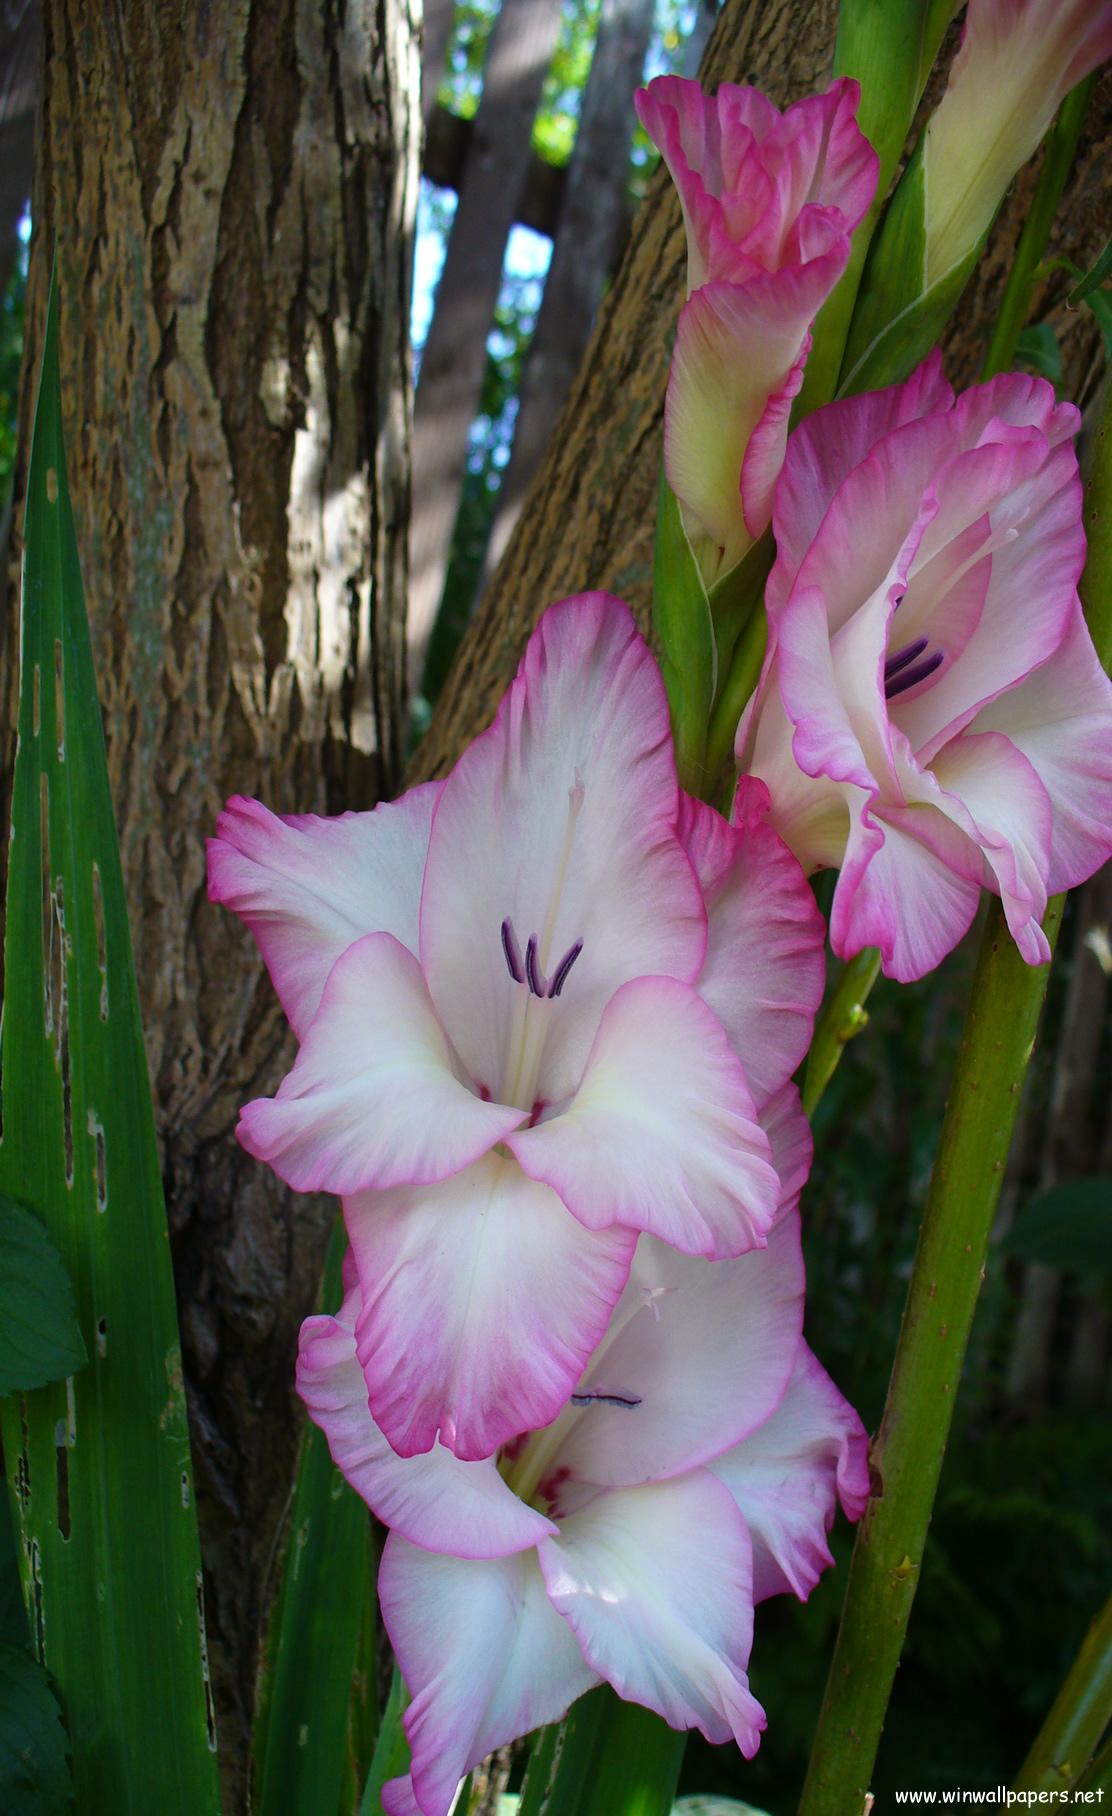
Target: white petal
[[307, 887], [788, 1477], [661, 1134], [485, 1656], [372, 1099], [656, 1584]]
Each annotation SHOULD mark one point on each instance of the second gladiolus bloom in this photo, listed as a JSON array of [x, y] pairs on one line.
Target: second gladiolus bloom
[[543, 1007], [933, 717]]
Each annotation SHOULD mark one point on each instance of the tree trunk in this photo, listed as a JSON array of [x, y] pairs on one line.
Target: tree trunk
[[588, 518], [232, 188]]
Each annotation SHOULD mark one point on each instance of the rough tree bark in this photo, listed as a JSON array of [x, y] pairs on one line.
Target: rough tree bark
[[232, 189], [588, 517]]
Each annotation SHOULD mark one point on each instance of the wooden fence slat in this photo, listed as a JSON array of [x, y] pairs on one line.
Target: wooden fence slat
[[593, 223], [454, 356]]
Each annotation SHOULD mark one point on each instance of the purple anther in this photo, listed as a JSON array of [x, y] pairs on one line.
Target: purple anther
[[910, 676], [628, 1402], [534, 976], [901, 659], [562, 969], [512, 951]]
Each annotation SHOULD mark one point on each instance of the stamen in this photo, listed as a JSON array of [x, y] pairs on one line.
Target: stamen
[[627, 1401], [562, 969], [512, 951], [534, 976], [903, 657], [910, 676]]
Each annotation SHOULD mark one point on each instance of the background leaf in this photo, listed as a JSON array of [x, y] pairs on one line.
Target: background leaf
[[606, 1758], [391, 1755], [34, 1766], [1092, 279], [1037, 347], [1069, 1227], [39, 1338]]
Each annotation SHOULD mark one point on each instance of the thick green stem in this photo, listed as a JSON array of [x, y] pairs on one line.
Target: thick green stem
[[1081, 1712], [946, 1279], [1061, 144]]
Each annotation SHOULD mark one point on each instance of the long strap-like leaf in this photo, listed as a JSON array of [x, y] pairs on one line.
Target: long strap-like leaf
[[99, 1463], [318, 1666]]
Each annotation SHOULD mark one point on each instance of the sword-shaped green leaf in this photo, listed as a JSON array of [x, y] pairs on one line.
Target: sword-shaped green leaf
[[104, 1503], [308, 1730], [606, 1758]]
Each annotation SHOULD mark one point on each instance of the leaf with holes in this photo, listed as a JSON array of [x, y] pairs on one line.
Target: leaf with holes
[[39, 1337], [34, 1766], [100, 1465]]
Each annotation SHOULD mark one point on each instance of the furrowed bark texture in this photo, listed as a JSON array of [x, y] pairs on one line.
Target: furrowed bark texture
[[588, 518], [232, 189]]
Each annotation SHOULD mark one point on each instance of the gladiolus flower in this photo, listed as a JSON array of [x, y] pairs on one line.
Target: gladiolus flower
[[694, 1471], [521, 997], [769, 203], [1017, 62], [932, 716]]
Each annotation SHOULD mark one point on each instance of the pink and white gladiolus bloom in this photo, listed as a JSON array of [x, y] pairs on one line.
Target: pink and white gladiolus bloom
[[1017, 62], [541, 1006], [770, 200], [932, 717], [695, 1470]]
